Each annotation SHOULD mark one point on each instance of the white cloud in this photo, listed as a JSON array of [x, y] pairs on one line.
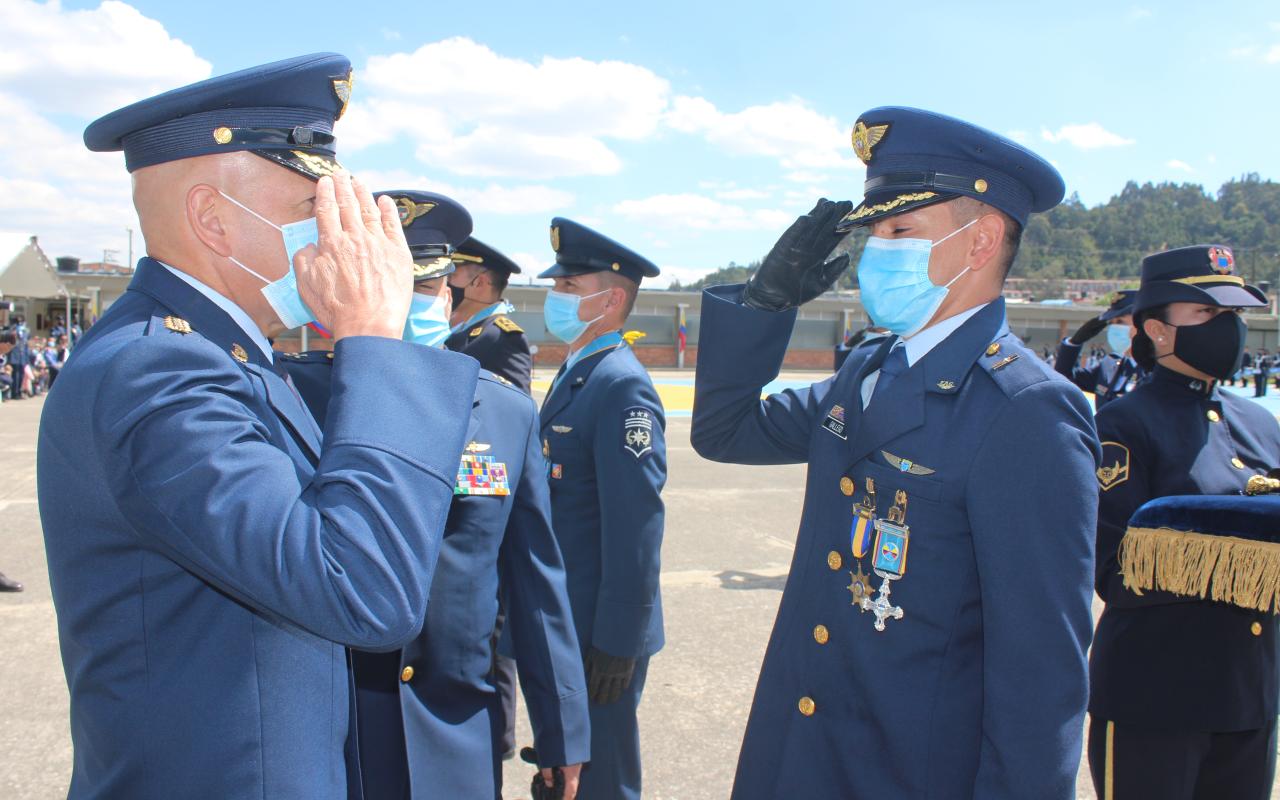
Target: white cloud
[[493, 198], [801, 176], [472, 111], [1137, 13], [1090, 136], [700, 213], [1273, 55], [742, 194], [796, 135], [92, 61], [671, 272], [1244, 51], [81, 64], [1180, 165]]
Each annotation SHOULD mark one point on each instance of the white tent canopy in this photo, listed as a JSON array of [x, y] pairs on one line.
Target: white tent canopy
[[25, 271]]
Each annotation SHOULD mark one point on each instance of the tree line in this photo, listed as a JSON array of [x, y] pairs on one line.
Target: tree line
[[1109, 240]]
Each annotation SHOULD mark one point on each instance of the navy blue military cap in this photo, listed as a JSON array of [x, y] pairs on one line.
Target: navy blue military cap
[[433, 226], [1202, 273], [282, 111], [580, 250], [474, 251], [1121, 305], [915, 158]]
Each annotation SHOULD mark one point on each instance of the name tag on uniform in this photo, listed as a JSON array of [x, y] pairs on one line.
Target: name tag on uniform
[[481, 475], [835, 422]]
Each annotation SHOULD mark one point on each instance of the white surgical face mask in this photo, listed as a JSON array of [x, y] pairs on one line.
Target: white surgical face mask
[[282, 294]]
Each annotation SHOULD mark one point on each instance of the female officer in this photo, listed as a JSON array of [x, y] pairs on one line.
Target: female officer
[[1183, 691], [1116, 372]]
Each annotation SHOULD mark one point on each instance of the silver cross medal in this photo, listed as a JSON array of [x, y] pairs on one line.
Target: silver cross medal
[[880, 606]]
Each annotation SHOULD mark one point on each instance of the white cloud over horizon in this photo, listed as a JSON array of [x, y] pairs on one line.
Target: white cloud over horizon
[[1090, 136], [699, 212]]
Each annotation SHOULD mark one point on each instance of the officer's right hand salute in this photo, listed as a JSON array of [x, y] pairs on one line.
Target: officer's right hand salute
[[794, 272], [359, 278]]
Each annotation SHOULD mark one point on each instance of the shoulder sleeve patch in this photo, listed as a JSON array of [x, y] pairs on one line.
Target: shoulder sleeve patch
[[1115, 465], [507, 325], [637, 431]]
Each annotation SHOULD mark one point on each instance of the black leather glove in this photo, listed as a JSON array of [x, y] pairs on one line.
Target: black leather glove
[[539, 790], [794, 273], [1087, 331], [607, 676]]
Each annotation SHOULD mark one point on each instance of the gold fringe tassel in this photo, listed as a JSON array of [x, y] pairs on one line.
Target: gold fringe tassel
[[1228, 569]]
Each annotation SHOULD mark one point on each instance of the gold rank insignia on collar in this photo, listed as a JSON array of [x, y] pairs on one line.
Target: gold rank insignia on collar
[[238, 353], [507, 325], [905, 465], [561, 428], [476, 331], [946, 385], [993, 348], [477, 447], [865, 138], [177, 325]]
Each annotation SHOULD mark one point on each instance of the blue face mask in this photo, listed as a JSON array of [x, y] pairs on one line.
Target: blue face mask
[[1118, 338], [282, 294], [428, 324], [894, 277], [560, 311]]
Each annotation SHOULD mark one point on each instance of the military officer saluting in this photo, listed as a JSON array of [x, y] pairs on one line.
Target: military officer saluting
[[210, 551], [932, 633], [425, 713], [1183, 692], [481, 326], [1116, 372], [602, 436]]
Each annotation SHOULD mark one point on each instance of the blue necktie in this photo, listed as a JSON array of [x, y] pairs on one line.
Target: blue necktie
[[894, 365]]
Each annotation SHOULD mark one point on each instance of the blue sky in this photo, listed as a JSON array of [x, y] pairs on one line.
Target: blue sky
[[692, 132]]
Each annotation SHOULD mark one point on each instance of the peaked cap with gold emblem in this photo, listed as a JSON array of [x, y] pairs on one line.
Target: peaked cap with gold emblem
[[580, 250], [283, 111], [915, 158], [434, 225], [474, 251], [1202, 273]]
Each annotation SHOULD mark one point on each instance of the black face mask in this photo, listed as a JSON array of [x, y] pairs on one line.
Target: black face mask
[[459, 294], [1215, 347]]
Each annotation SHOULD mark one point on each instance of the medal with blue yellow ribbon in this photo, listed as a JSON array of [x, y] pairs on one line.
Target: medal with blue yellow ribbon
[[864, 518]]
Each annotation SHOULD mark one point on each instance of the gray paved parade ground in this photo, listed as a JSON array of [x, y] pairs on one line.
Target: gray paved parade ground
[[730, 532]]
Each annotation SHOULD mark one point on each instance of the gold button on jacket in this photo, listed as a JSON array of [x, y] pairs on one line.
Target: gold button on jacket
[[821, 635], [834, 560], [846, 486], [406, 675], [1256, 629], [806, 706], [1213, 415]]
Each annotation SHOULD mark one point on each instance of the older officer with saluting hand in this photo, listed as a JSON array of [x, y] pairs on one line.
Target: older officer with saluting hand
[[211, 552], [932, 634]]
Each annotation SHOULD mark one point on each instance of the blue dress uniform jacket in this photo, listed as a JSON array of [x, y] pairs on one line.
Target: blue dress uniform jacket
[[500, 345], [979, 690], [210, 553], [1160, 660], [606, 506], [444, 676], [1106, 380]]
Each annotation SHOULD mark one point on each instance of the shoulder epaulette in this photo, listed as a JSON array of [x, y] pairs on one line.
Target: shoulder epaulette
[[507, 325]]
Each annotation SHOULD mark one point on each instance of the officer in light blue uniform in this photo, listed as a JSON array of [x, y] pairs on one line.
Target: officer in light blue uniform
[[428, 715], [932, 633], [1116, 372], [1183, 691], [602, 436], [212, 550]]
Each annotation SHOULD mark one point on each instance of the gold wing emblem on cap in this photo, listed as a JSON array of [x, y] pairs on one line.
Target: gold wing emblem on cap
[[555, 238], [865, 138], [409, 210], [342, 88]]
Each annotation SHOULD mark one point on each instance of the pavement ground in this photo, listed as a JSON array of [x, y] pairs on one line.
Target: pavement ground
[[730, 533]]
